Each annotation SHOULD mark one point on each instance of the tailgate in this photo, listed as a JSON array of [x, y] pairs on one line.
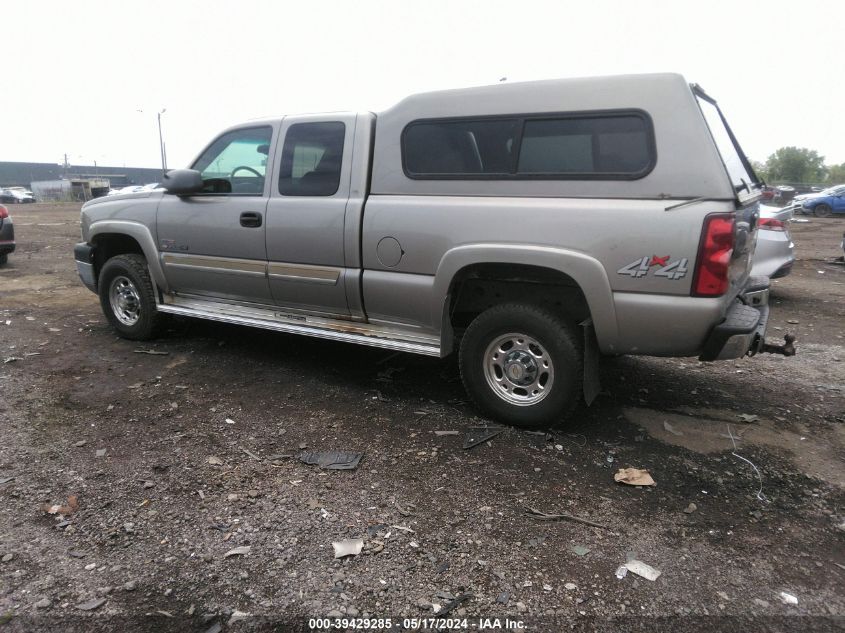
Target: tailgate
[[746, 185]]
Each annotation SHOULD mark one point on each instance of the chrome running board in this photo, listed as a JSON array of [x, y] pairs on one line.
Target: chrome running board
[[273, 319]]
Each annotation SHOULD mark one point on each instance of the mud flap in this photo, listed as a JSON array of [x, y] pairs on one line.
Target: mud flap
[[592, 383]]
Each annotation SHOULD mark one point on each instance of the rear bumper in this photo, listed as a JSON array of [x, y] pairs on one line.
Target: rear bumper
[[84, 256], [743, 330]]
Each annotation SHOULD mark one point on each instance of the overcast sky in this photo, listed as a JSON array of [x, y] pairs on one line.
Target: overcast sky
[[75, 73]]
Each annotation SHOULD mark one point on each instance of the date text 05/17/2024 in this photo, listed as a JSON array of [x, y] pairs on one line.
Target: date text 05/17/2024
[[416, 624]]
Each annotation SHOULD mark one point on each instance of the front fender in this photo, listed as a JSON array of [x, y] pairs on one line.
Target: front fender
[[587, 272], [141, 234]]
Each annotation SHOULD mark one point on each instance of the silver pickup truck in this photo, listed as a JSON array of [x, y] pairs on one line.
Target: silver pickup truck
[[531, 227]]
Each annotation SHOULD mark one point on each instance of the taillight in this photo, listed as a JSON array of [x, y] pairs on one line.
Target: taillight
[[770, 224], [4, 212], [714, 256]]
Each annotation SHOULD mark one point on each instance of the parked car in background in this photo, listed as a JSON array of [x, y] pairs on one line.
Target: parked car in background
[[823, 203], [16, 195], [135, 188], [7, 235], [774, 253], [784, 194], [767, 193]]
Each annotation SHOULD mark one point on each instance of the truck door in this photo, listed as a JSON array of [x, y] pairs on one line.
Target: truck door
[[213, 243], [306, 215]]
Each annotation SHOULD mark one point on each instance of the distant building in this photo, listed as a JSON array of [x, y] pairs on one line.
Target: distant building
[[14, 174]]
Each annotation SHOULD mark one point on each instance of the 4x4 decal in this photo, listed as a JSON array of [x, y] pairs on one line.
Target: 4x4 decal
[[670, 270]]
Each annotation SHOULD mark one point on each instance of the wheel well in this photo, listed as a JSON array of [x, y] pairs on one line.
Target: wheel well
[[481, 286], [110, 244]]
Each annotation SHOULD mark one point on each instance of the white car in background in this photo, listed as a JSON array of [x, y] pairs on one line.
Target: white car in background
[[135, 188], [774, 254], [17, 195]]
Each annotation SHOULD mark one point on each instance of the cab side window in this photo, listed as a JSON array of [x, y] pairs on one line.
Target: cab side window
[[236, 162], [312, 157]]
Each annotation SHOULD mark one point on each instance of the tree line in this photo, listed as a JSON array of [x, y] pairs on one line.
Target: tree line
[[799, 165]]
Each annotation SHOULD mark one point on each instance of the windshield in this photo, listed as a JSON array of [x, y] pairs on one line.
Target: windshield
[[739, 170], [832, 191]]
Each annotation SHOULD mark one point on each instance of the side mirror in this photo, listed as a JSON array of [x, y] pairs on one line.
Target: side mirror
[[182, 182]]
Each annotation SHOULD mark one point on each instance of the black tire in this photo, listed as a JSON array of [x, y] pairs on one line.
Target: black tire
[[822, 210], [561, 347], [127, 277], [4, 257]]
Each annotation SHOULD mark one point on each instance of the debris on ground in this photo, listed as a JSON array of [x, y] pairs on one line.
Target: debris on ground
[[251, 454], [69, 508], [101, 452], [238, 615], [748, 417], [476, 435], [347, 547], [90, 605], [543, 516], [760, 496], [621, 572], [403, 511], [442, 433], [5, 480], [151, 352], [238, 551], [641, 569], [331, 460], [229, 421], [454, 604], [690, 508], [580, 550], [634, 477], [671, 428], [787, 598], [214, 461], [11, 359]]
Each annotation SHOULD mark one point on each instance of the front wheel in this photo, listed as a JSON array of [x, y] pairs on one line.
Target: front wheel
[[822, 211], [522, 365], [127, 297]]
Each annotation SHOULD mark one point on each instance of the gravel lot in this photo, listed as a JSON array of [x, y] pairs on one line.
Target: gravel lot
[[165, 463]]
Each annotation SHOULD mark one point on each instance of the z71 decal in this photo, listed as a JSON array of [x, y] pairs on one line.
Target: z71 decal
[[670, 270]]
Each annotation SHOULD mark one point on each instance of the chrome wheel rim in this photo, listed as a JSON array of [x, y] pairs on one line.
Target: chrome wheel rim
[[125, 300], [518, 369]]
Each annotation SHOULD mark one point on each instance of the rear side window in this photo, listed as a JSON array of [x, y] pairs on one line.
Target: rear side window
[[312, 157], [593, 146], [461, 147], [617, 146]]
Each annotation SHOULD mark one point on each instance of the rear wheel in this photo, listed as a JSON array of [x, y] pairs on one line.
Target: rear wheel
[[822, 210], [127, 297], [522, 365], [4, 257]]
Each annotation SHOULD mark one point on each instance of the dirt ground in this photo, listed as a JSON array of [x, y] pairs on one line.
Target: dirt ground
[[180, 457]]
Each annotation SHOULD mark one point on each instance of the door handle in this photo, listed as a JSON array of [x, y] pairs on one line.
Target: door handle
[[250, 219]]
